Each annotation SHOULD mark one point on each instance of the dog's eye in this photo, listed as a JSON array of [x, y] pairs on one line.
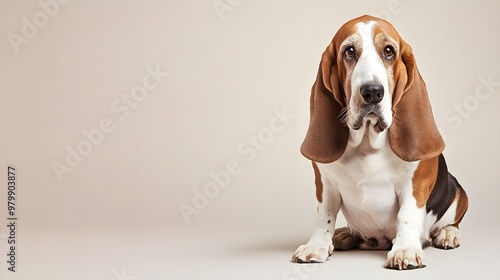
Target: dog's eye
[[350, 53], [389, 52]]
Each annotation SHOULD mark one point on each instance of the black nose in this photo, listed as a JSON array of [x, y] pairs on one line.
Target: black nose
[[372, 93]]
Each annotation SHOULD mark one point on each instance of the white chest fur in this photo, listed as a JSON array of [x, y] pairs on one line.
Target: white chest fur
[[369, 182]]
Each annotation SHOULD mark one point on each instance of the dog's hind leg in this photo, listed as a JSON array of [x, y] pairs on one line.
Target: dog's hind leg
[[344, 239], [448, 236]]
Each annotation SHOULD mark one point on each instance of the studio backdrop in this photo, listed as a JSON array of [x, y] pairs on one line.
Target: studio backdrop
[[160, 139]]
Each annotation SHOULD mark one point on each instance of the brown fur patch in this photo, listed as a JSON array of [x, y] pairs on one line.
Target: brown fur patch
[[319, 184], [424, 180], [462, 205]]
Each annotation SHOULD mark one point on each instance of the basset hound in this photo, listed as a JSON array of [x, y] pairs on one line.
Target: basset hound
[[377, 153]]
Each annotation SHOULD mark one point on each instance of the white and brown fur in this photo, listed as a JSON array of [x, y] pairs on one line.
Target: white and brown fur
[[377, 153]]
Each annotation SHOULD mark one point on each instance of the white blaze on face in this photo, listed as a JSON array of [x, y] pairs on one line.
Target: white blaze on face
[[369, 69]]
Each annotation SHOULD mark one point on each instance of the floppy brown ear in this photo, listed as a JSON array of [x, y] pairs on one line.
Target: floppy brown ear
[[413, 134], [326, 138]]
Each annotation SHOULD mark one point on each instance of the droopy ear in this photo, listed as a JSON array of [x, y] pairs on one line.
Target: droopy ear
[[326, 138], [413, 134]]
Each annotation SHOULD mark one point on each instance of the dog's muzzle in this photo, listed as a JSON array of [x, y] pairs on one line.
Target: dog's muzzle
[[370, 113]]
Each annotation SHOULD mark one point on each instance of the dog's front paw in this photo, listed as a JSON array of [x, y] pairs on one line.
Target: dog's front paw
[[409, 258], [312, 254]]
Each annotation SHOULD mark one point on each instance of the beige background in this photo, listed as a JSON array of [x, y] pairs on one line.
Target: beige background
[[116, 214]]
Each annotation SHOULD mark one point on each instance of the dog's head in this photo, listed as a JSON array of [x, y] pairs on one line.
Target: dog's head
[[368, 82]]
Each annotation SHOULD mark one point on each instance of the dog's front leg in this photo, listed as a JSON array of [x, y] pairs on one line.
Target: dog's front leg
[[320, 245], [406, 252]]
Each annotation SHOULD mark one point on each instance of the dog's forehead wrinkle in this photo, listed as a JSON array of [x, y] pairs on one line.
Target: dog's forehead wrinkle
[[353, 39], [349, 40]]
